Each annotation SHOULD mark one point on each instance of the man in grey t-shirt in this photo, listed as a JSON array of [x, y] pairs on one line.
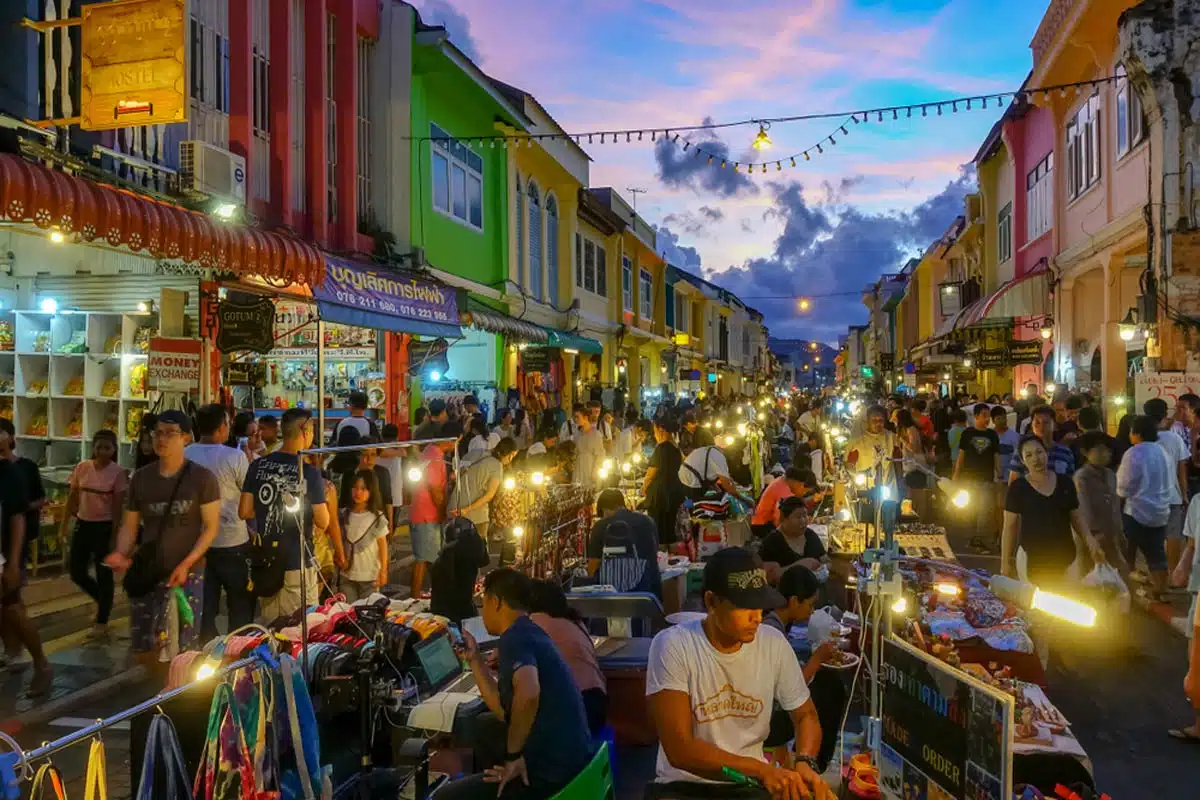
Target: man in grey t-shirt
[[177, 504], [478, 483]]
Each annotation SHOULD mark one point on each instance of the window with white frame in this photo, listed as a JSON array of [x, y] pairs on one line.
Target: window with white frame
[[535, 240], [626, 285], [519, 223], [1039, 198], [457, 179], [1131, 121], [646, 294], [363, 123], [1004, 234], [1083, 147], [590, 266], [682, 312], [296, 104], [551, 249], [331, 131]]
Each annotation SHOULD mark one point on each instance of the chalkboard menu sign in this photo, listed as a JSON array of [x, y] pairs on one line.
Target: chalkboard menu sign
[[535, 359], [1028, 351], [946, 736], [246, 326]]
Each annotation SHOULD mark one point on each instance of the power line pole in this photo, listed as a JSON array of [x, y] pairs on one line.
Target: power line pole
[[635, 192]]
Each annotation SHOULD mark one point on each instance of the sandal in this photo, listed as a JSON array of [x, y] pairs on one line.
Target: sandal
[[1184, 735]]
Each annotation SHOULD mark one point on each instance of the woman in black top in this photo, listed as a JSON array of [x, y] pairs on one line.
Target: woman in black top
[[662, 487], [1040, 512]]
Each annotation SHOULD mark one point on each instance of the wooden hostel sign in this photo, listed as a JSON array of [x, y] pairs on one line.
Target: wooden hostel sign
[[1017, 352], [134, 64]]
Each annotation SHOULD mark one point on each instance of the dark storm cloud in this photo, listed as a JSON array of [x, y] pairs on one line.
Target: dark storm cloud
[[688, 169], [841, 192], [442, 12], [824, 250], [670, 250]]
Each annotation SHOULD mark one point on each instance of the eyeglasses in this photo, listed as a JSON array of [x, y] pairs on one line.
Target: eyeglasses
[[165, 434]]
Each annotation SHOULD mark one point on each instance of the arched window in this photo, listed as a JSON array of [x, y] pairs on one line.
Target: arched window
[[535, 241], [519, 217], [552, 249]]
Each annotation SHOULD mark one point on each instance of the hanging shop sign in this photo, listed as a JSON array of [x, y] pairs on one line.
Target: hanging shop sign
[[133, 66], [246, 326], [536, 359], [945, 734], [380, 295], [331, 353], [243, 374], [689, 374], [991, 359], [1025, 352], [173, 365], [887, 361], [1165, 386], [428, 356]]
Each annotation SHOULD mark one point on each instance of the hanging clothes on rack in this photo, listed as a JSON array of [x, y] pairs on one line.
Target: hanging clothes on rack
[[162, 743]]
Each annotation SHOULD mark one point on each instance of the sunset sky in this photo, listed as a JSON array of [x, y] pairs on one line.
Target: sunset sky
[[832, 225]]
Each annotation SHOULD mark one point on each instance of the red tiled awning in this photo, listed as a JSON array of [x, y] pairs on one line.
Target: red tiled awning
[[52, 199]]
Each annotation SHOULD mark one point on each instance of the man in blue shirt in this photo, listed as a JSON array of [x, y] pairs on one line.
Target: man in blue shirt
[[271, 498], [546, 734]]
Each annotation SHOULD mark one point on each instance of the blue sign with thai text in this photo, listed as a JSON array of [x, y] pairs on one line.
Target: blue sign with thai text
[[385, 299]]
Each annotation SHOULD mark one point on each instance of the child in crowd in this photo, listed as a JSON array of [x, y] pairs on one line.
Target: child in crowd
[[365, 530], [958, 424]]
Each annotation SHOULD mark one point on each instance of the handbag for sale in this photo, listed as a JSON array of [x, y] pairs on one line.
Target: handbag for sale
[[95, 785], [47, 772], [162, 744], [146, 569]]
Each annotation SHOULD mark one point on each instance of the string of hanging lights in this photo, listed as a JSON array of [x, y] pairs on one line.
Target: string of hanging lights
[[762, 140]]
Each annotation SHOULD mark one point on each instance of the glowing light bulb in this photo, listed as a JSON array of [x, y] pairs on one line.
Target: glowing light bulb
[[901, 605], [607, 464], [626, 468], [415, 474], [951, 589], [805, 304], [885, 493], [57, 237], [762, 140], [1064, 608], [719, 424], [510, 483], [860, 479], [961, 498], [537, 478], [1051, 388], [637, 458], [844, 515], [761, 416], [741, 428], [518, 531], [49, 305], [205, 671], [729, 440]]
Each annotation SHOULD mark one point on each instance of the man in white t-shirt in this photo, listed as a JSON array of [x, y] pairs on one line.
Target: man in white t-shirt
[[712, 685], [810, 420], [589, 450], [225, 563], [706, 467], [1179, 454]]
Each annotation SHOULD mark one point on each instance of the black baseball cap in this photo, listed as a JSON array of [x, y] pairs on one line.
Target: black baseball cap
[[734, 574], [176, 417]]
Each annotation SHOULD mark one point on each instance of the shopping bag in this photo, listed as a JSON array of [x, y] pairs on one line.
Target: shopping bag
[[95, 786], [226, 771], [1107, 581]]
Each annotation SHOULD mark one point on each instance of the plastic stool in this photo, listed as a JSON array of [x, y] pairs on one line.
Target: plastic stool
[[595, 782]]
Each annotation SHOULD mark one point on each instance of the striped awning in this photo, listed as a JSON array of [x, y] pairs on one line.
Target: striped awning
[[518, 330], [1024, 296]]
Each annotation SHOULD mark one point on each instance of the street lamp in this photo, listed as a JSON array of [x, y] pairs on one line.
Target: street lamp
[[1127, 329]]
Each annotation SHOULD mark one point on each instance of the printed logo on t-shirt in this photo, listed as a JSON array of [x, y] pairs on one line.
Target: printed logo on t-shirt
[[728, 702], [981, 444], [179, 508]]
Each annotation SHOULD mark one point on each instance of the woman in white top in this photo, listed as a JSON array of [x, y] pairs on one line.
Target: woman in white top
[[365, 530]]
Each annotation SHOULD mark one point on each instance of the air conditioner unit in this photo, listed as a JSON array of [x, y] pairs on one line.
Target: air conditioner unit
[[212, 171]]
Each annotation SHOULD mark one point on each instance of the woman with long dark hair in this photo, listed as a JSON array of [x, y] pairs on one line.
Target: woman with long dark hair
[[548, 608], [662, 488], [917, 462]]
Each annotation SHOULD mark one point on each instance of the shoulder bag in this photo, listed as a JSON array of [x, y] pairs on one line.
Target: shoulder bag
[[162, 743], [146, 568]]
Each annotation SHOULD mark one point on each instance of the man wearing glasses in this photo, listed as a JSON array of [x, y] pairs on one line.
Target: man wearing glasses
[[177, 504], [284, 518]]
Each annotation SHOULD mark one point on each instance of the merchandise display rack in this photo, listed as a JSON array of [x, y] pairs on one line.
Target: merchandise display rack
[[66, 375]]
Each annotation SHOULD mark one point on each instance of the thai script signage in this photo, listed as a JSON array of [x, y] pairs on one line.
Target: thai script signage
[[134, 64], [391, 293]]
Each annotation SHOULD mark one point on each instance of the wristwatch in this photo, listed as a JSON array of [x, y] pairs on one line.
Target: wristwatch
[[509, 757], [810, 761]]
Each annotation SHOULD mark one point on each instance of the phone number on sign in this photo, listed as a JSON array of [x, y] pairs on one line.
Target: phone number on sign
[[395, 308]]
